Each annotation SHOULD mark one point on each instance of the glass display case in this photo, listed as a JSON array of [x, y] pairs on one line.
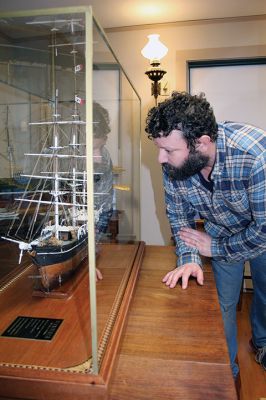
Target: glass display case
[[69, 204]]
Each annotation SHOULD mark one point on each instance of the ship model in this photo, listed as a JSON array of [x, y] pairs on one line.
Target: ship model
[[55, 202], [53, 206]]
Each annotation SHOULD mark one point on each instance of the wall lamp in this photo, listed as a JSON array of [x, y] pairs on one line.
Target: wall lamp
[[155, 51]]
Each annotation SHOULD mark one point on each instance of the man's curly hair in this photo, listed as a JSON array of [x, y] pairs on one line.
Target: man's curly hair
[[190, 114]]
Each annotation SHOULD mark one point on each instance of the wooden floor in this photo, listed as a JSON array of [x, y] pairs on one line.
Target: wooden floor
[[253, 377]]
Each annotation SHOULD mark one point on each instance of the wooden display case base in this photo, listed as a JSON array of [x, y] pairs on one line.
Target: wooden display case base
[[61, 367]]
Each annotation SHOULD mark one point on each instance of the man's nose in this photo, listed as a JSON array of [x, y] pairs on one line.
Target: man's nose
[[162, 157]]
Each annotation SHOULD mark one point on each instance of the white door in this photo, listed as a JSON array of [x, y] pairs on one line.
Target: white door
[[236, 92]]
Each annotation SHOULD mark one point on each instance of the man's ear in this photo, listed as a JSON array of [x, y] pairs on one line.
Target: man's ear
[[203, 143]]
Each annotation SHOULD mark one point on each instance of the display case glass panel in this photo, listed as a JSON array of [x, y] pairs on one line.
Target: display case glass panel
[[69, 197], [113, 91]]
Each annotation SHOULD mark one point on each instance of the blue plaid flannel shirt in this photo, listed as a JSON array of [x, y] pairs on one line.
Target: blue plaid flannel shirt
[[234, 212]]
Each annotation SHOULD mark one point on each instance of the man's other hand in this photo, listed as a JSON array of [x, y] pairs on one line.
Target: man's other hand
[[183, 273]]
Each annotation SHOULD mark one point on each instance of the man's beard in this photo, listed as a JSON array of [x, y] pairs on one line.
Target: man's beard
[[191, 166]]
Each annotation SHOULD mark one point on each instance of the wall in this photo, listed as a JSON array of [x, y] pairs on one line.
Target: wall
[[244, 37]]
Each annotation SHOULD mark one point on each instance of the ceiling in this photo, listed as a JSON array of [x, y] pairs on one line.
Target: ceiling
[[121, 13]]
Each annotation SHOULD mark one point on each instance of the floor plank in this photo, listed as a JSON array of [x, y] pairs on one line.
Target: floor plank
[[253, 377]]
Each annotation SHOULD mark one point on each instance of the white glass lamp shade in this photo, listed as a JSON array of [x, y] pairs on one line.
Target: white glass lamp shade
[[154, 49]]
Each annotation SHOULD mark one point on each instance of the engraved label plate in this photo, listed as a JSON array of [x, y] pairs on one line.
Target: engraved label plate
[[33, 328]]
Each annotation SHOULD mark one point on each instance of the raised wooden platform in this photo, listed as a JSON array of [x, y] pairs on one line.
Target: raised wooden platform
[[61, 368]]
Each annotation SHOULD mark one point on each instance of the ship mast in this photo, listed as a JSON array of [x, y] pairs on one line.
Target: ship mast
[[55, 147], [74, 144], [55, 192]]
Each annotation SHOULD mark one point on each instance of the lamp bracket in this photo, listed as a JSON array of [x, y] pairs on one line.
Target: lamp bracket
[[155, 74]]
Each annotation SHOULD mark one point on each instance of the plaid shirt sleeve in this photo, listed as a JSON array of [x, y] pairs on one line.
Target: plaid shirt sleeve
[[180, 214], [251, 240]]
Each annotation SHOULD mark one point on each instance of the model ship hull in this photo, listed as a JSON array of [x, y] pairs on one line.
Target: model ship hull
[[55, 264]]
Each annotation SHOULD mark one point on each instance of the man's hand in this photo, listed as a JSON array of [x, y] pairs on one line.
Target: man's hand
[[198, 239], [184, 273], [99, 275]]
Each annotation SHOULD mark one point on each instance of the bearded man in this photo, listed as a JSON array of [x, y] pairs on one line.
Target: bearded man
[[217, 172]]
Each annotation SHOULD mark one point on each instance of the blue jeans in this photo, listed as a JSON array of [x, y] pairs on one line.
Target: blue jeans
[[228, 278]]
